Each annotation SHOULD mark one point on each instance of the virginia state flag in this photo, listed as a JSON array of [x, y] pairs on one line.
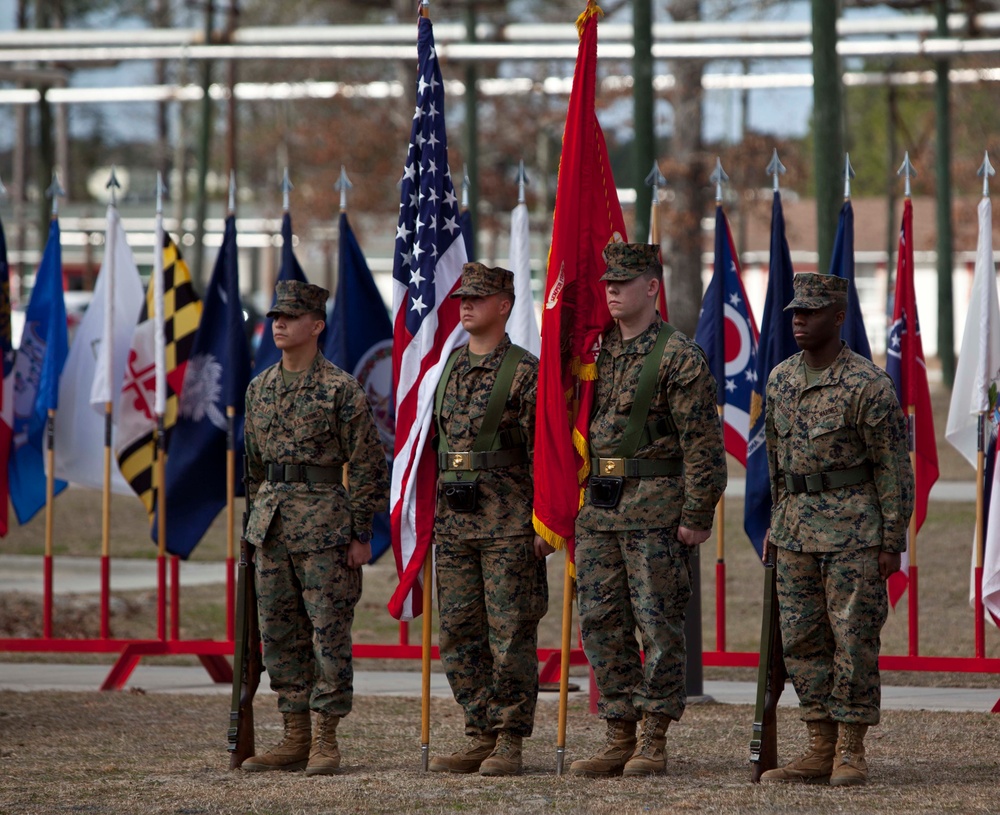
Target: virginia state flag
[[7, 387], [359, 340], [37, 368], [267, 352], [842, 265], [905, 365], [728, 335], [216, 378], [587, 218], [777, 343]]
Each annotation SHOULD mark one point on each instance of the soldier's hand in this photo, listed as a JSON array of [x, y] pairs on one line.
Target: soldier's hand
[[358, 553], [692, 537], [888, 564], [542, 548]]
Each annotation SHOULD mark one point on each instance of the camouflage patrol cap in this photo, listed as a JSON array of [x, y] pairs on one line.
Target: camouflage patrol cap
[[481, 281], [294, 298], [818, 291], [626, 261]]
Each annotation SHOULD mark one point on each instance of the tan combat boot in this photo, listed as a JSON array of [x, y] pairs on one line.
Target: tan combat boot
[[849, 767], [324, 755], [619, 744], [816, 763], [291, 753], [505, 758], [467, 760], [650, 757]]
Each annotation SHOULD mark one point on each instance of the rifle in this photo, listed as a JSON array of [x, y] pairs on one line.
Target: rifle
[[771, 677], [247, 662]]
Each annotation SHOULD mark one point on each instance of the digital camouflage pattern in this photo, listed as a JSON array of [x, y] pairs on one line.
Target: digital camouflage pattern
[[492, 590], [832, 603], [505, 493], [479, 280], [626, 261], [627, 580], [491, 595], [686, 391], [631, 569], [813, 291], [322, 419], [833, 606], [306, 601], [296, 297], [306, 593], [850, 416]]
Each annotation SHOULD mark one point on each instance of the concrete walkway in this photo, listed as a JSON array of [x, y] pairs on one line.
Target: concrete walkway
[[29, 677]]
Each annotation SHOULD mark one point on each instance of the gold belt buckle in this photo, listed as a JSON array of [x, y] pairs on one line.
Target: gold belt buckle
[[611, 466], [459, 461]]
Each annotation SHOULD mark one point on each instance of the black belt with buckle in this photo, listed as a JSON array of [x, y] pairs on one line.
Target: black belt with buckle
[[304, 472], [636, 467], [821, 482]]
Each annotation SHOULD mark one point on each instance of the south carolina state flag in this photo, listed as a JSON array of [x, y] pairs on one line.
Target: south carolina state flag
[[728, 335], [587, 218]]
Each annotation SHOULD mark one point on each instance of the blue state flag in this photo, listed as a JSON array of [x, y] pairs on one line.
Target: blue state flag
[[360, 342], [217, 375], [777, 343], [842, 265], [267, 352], [37, 367], [465, 222], [728, 335]]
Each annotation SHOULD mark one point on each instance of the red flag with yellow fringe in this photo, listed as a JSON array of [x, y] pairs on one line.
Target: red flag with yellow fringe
[[587, 217]]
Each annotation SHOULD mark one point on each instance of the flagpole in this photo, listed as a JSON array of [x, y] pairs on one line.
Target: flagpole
[[231, 441], [107, 348], [912, 607], [54, 191], [569, 587], [159, 409], [425, 640], [719, 176]]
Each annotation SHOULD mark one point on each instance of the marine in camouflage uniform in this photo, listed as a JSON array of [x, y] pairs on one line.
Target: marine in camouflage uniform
[[842, 486], [305, 419], [633, 561], [491, 580]]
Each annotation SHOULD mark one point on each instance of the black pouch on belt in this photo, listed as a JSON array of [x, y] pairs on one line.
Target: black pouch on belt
[[606, 490], [462, 496]]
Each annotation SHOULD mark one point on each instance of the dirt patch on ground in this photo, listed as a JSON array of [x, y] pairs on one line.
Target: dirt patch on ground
[[160, 753]]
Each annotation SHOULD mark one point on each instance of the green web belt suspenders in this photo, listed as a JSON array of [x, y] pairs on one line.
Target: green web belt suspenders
[[638, 432], [608, 473], [460, 468]]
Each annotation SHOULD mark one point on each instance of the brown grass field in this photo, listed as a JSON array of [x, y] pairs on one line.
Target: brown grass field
[[160, 753]]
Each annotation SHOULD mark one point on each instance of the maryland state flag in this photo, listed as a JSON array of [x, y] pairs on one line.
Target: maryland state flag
[[587, 218], [136, 443]]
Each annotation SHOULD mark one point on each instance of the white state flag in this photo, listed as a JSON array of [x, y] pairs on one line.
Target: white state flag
[[978, 367], [523, 323], [87, 383], [976, 376]]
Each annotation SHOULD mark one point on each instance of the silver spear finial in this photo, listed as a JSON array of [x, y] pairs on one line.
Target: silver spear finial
[[655, 180], [113, 185], [161, 188], [775, 168], [466, 183], [343, 184], [986, 170], [232, 192], [906, 170], [848, 175], [55, 192], [3, 189], [286, 188], [522, 181], [719, 177]]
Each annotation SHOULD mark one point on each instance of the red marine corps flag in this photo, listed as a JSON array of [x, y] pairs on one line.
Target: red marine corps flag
[[587, 218]]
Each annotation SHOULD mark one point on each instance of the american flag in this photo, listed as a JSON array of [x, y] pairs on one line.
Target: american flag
[[428, 260]]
